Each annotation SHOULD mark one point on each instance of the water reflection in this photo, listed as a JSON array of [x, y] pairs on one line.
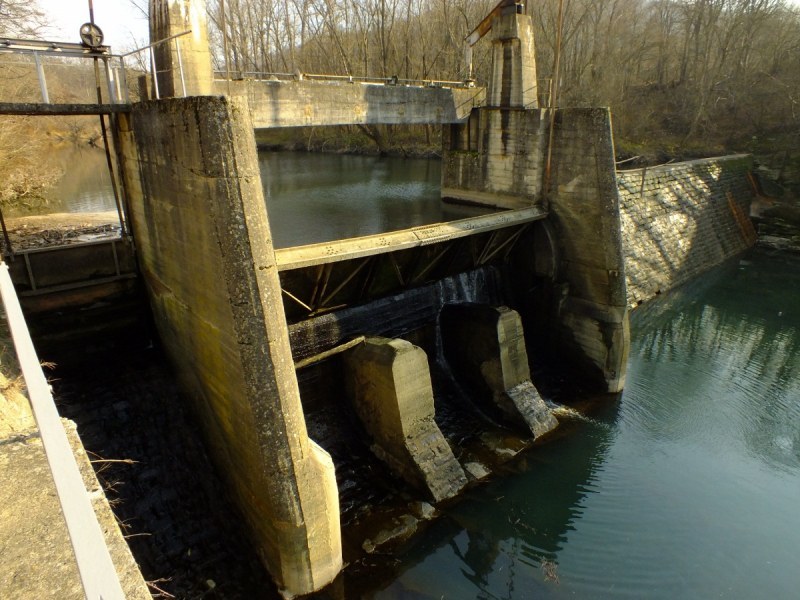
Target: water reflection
[[726, 361], [84, 184], [494, 542], [321, 197]]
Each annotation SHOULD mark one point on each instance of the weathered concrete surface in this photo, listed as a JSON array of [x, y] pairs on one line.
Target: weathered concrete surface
[[513, 80], [682, 219], [496, 158], [585, 215], [390, 386], [206, 255], [486, 346], [173, 17], [316, 103], [298, 257]]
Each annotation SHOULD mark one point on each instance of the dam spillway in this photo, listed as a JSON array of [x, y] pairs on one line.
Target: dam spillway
[[388, 315]]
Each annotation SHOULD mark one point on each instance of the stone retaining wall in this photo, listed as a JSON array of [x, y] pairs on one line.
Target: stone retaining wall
[[681, 220]]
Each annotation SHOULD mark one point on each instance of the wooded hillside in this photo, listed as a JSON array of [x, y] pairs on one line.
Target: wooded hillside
[[683, 78]]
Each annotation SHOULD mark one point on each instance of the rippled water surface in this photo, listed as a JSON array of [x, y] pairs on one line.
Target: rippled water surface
[[687, 487]]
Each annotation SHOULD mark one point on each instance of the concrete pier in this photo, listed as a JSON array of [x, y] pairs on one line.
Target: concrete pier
[[513, 80], [390, 386], [184, 68], [504, 164], [485, 345]]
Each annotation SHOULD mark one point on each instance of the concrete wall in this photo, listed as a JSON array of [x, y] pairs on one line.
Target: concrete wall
[[513, 80], [681, 220], [585, 216], [203, 240], [496, 158], [318, 103]]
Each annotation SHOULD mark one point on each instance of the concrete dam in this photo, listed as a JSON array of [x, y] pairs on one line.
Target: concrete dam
[[570, 246]]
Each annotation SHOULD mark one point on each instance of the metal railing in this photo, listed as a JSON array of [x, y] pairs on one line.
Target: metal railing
[[58, 54], [151, 59], [97, 572], [44, 55], [299, 76]]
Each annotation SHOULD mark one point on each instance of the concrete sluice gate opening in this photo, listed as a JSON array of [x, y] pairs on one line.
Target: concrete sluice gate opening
[[423, 385]]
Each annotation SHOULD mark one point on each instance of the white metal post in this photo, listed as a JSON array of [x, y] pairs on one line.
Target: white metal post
[[42, 80], [97, 572], [180, 65], [155, 73]]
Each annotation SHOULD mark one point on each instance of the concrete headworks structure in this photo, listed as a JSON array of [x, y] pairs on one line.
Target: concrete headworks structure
[[238, 317]]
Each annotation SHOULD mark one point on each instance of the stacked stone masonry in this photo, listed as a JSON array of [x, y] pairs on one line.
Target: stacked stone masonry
[[681, 220]]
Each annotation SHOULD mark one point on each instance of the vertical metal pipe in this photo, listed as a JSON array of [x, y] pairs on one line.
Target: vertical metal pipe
[[155, 73], [180, 65], [9, 249], [114, 186], [554, 98], [42, 79], [112, 92], [225, 42], [106, 146], [124, 80]]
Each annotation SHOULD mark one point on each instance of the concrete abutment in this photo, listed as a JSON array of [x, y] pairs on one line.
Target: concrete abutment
[[207, 260], [498, 159]]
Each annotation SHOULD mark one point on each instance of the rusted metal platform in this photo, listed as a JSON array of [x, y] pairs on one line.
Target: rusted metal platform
[[382, 243]]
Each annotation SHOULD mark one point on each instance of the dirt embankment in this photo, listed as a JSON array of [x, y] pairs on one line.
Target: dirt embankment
[[60, 229]]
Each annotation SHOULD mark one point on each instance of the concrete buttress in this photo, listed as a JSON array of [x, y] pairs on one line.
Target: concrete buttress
[[206, 256], [389, 383]]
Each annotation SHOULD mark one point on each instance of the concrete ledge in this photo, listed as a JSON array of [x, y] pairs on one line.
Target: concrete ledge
[[317, 103], [474, 197]]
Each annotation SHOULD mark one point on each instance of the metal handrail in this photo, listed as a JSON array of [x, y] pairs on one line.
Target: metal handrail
[[97, 572], [152, 57], [116, 75], [116, 80], [264, 75]]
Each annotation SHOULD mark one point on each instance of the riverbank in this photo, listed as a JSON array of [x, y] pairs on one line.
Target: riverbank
[[778, 223], [59, 229]]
